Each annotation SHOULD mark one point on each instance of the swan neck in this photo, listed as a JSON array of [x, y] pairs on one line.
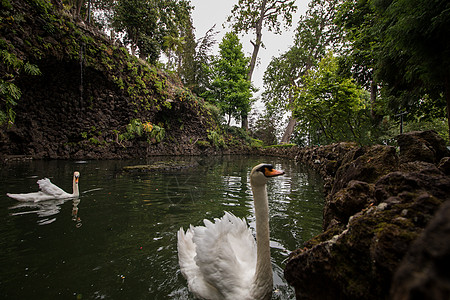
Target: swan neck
[[76, 192], [263, 281]]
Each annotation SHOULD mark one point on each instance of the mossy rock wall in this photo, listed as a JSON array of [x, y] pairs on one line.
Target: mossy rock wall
[[89, 90]]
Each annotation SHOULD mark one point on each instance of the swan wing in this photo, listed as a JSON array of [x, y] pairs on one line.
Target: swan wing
[[47, 187], [226, 255], [186, 257], [34, 197]]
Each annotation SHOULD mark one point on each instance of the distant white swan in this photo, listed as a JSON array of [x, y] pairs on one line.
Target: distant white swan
[[221, 260], [49, 191]]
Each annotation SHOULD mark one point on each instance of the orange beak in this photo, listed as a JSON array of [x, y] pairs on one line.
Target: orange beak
[[272, 173]]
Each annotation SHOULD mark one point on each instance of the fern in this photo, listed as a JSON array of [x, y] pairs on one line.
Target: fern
[[216, 138], [9, 92], [31, 69], [9, 59]]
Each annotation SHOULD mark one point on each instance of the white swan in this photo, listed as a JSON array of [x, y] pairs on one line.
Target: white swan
[[49, 191], [221, 260]]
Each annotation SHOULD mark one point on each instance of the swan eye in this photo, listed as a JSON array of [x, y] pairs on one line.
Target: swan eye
[[265, 168]]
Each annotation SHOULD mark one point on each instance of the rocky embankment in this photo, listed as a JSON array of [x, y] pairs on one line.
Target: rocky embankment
[[91, 99], [386, 222]]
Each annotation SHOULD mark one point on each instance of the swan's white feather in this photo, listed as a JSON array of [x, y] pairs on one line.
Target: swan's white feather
[[47, 187], [218, 259], [48, 191], [35, 197], [221, 261]]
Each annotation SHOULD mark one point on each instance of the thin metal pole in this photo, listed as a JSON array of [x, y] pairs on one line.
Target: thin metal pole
[[401, 120]]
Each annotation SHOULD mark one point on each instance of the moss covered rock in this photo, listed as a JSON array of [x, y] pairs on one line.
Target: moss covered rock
[[376, 208]]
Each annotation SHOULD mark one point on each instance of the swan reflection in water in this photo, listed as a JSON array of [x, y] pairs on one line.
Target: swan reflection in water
[[75, 216], [46, 210]]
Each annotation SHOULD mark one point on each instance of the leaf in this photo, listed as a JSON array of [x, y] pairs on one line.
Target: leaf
[[31, 69]]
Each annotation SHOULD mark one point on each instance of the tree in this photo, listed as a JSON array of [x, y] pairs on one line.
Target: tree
[[173, 46], [145, 23], [314, 34], [408, 47], [263, 128], [195, 71], [251, 15], [332, 107], [231, 91], [418, 31]]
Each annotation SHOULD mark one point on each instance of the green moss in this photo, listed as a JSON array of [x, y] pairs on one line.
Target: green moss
[[255, 143], [204, 144]]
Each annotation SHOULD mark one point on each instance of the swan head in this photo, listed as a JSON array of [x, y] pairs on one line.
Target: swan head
[[262, 172], [76, 176]]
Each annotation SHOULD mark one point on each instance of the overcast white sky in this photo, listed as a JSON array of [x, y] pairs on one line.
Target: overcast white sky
[[209, 12]]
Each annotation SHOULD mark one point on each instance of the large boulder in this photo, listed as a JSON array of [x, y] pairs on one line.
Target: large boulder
[[353, 183], [425, 146], [359, 261], [377, 206], [425, 270], [365, 164]]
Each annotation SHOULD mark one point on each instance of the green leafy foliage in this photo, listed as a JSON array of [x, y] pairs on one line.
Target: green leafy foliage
[[9, 92], [263, 128], [216, 139], [231, 91], [148, 24], [195, 70], [315, 33], [136, 129], [402, 47], [332, 107]]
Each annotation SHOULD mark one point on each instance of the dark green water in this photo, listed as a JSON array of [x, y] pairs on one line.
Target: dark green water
[[122, 242]]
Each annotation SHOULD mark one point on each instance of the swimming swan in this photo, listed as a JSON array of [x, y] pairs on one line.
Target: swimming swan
[[221, 260], [49, 191]]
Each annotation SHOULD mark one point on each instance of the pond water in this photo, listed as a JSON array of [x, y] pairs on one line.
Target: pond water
[[118, 241]]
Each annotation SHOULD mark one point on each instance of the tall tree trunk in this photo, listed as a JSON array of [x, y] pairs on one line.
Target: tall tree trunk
[[289, 130], [257, 42], [292, 120], [256, 46], [79, 4]]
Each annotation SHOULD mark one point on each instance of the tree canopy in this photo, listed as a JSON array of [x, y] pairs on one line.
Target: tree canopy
[[151, 25], [231, 90], [315, 33], [396, 50], [404, 44], [250, 15], [330, 106]]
